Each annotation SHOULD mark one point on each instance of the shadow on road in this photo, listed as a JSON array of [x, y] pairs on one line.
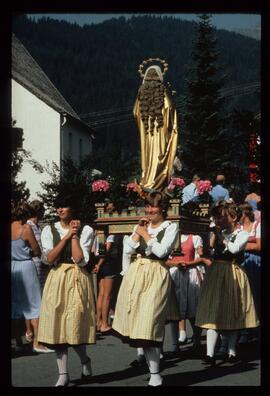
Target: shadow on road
[[207, 374], [248, 354]]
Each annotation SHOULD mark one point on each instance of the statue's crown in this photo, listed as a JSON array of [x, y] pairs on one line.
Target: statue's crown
[[154, 61]]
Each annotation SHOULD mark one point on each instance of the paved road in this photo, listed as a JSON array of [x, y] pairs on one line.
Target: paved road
[[111, 359]]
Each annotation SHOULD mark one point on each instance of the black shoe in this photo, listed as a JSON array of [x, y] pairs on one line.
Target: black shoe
[[183, 342], [171, 354], [138, 362], [233, 359], [211, 360]]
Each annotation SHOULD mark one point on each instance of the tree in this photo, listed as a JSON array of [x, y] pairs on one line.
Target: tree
[[204, 135], [77, 179]]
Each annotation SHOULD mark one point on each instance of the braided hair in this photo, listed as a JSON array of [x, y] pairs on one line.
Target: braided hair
[[151, 100]]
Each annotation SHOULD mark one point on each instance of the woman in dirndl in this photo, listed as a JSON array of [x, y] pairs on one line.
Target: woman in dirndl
[[67, 316], [146, 299], [226, 303], [187, 271]]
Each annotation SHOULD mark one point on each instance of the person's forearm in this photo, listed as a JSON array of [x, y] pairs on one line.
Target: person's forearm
[[56, 251], [194, 262], [170, 264], [135, 237], [76, 250], [36, 252], [253, 247], [146, 236], [100, 262]]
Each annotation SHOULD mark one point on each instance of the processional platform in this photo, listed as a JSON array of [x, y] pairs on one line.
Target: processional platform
[[190, 222]]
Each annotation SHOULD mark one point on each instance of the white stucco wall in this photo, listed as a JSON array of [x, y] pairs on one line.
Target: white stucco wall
[[81, 141], [41, 133]]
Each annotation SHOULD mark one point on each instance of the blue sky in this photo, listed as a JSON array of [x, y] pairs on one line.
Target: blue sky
[[221, 21]]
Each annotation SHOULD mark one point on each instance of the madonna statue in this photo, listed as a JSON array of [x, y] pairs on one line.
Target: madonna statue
[[157, 122]]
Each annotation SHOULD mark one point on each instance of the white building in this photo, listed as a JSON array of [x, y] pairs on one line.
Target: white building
[[51, 128]]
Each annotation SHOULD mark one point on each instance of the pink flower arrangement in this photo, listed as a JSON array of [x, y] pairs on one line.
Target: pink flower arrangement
[[176, 182], [100, 185], [131, 187], [204, 186]]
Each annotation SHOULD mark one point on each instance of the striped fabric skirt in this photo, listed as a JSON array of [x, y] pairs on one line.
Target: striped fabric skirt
[[146, 301], [67, 314], [226, 301], [42, 272]]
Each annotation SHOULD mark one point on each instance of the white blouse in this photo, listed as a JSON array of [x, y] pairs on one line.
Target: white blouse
[[86, 241], [160, 249], [235, 245]]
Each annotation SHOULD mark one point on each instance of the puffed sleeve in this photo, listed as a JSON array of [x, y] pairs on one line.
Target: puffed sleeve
[[163, 248], [239, 243], [197, 241], [126, 259], [86, 241], [47, 243], [129, 245]]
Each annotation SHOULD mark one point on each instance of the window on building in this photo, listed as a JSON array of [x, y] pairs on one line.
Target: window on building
[[17, 138]]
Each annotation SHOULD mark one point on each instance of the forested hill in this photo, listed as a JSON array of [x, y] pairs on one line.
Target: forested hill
[[95, 66]]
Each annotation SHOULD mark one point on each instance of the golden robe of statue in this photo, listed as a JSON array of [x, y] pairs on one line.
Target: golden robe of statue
[[158, 147]]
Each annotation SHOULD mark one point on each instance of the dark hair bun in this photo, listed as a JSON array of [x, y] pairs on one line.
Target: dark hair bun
[[66, 201]]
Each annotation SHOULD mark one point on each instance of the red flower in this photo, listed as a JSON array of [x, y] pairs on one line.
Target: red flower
[[176, 182], [131, 187], [204, 186], [100, 185]]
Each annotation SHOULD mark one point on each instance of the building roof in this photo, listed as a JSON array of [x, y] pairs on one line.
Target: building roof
[[27, 72]]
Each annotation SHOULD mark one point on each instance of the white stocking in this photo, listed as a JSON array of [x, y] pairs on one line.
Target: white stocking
[[61, 358], [140, 352], [211, 340], [152, 355]]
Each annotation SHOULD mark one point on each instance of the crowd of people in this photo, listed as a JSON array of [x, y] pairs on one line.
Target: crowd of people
[[149, 281]]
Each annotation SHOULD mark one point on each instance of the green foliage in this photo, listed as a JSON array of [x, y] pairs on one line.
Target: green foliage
[[19, 191], [203, 137], [95, 66], [241, 125], [76, 179], [105, 57]]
